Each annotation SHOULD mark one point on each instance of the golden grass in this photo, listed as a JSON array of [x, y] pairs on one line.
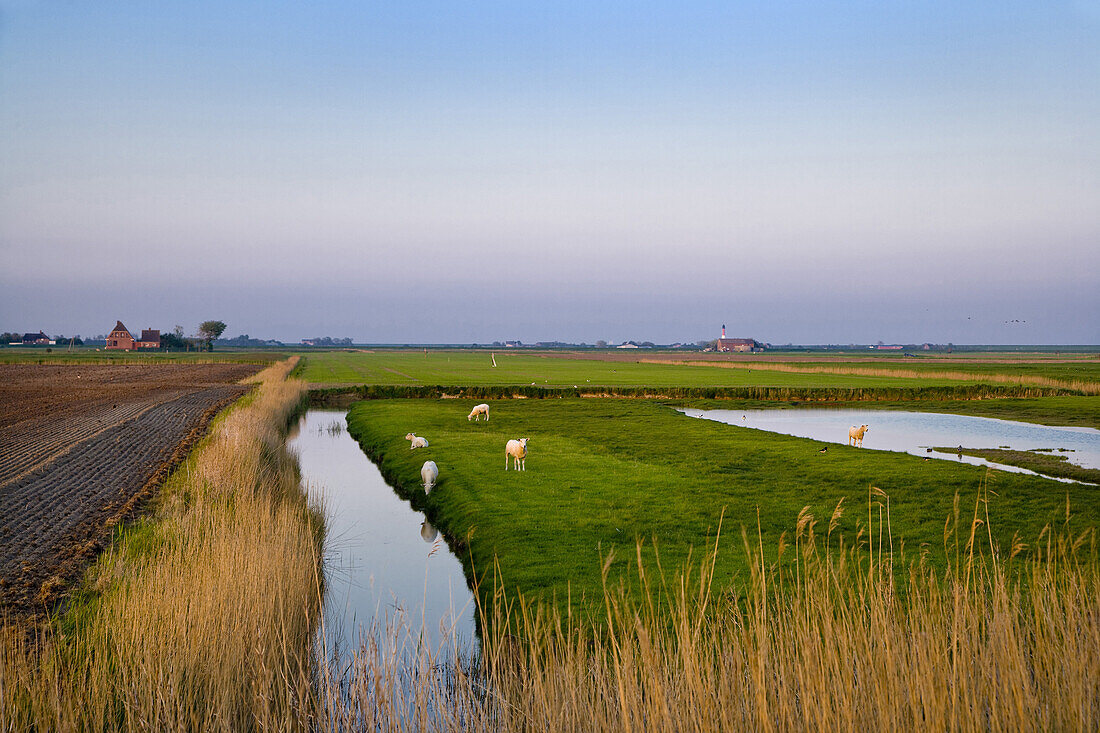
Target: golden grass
[[1084, 386], [827, 640], [210, 625]]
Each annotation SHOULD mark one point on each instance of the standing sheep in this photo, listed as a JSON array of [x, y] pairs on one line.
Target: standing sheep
[[517, 449], [430, 473], [416, 442], [855, 435], [478, 411]]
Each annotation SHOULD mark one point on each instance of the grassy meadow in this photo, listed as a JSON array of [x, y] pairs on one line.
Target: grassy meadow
[[92, 355], [563, 369], [604, 474], [468, 367]]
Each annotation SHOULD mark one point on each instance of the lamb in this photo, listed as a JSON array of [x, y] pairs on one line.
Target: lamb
[[416, 442], [855, 435], [478, 411], [517, 449], [430, 473]]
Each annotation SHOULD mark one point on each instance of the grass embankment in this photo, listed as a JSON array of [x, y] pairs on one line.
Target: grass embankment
[[200, 615], [605, 473], [1040, 462]]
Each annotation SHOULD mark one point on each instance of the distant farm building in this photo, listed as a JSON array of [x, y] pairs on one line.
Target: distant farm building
[[150, 339], [122, 339], [36, 339], [742, 345]]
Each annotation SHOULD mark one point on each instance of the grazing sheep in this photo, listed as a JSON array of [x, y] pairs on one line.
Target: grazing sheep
[[416, 442], [430, 473], [478, 411], [517, 449], [855, 435]]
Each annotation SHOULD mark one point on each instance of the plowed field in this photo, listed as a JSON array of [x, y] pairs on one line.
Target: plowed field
[[80, 448]]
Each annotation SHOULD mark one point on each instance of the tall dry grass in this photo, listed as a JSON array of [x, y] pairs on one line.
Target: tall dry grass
[[1083, 386], [205, 612], [827, 639]]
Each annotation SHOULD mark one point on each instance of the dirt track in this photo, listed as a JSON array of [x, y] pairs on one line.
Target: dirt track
[[80, 448]]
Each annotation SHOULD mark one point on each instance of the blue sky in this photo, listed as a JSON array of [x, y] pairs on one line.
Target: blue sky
[[429, 172]]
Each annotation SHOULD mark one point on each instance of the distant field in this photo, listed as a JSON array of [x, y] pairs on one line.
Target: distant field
[[87, 355], [602, 474], [560, 370]]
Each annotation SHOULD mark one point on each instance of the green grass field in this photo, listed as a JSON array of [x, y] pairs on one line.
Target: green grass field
[[475, 368], [603, 474], [91, 355]]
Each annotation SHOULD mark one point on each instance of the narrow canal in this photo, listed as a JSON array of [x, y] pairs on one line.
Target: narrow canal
[[387, 570]]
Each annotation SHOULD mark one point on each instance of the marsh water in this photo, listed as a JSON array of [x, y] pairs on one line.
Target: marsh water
[[386, 567], [916, 432]]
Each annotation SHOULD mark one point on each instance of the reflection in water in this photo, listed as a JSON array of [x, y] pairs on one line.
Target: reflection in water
[[378, 573], [918, 432]]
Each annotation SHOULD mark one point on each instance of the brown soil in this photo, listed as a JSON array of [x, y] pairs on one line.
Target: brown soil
[[81, 448]]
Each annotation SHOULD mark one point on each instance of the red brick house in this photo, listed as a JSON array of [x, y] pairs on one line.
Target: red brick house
[[121, 338]]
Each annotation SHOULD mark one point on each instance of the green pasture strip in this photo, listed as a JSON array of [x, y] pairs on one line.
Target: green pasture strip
[[1051, 464], [464, 368], [1058, 411], [603, 473], [716, 397], [91, 356]]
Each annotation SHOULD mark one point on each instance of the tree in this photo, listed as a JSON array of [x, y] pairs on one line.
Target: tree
[[210, 330], [601, 344]]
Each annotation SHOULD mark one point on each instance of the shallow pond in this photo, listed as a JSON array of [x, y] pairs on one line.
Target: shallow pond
[[915, 432], [386, 568]]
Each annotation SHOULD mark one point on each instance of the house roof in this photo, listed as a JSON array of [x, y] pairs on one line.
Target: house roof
[[150, 334], [120, 327]]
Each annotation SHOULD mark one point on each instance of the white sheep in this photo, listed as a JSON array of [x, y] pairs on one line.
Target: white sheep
[[416, 442], [855, 435], [430, 473], [517, 449], [478, 411]]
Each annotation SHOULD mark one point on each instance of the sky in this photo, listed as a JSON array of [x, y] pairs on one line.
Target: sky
[[457, 172]]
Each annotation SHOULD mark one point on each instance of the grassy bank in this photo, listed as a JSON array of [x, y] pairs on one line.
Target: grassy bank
[[199, 616], [603, 474]]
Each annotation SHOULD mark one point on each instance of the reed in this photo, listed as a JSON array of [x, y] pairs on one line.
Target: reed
[[828, 639]]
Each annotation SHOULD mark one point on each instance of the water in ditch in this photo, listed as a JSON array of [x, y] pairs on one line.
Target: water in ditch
[[388, 572]]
